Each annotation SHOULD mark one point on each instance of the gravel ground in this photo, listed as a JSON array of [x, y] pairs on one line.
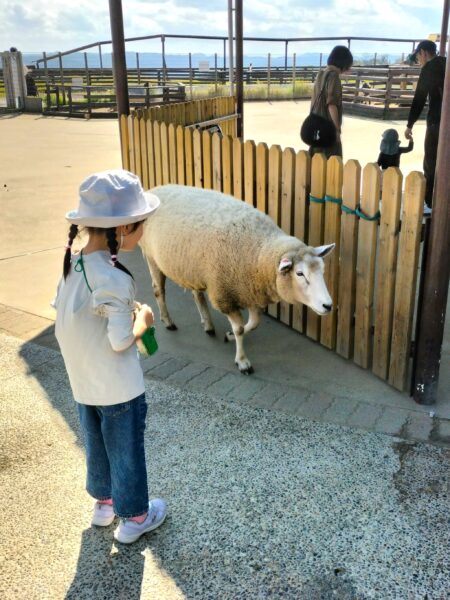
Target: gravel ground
[[262, 505]]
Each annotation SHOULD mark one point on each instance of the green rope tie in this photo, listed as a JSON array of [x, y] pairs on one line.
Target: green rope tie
[[348, 210], [363, 215], [317, 200], [333, 200]]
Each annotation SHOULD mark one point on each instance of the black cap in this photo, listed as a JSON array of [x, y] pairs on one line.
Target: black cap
[[427, 46]]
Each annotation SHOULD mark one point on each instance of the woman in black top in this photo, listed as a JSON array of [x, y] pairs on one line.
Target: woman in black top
[[391, 149]]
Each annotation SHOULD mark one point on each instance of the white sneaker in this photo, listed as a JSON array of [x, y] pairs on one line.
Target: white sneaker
[[103, 515], [426, 210], [129, 531]]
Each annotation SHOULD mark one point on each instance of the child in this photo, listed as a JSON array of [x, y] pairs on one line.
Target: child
[[97, 326], [391, 149]]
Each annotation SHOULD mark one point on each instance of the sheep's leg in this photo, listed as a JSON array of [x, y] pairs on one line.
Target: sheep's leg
[[158, 284], [203, 309], [254, 318], [237, 325]]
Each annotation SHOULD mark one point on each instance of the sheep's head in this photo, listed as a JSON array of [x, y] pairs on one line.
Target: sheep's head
[[300, 278]]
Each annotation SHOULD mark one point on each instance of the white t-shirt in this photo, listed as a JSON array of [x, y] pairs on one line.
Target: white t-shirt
[[95, 332]]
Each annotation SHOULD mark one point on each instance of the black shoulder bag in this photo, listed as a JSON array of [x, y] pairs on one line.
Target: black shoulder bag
[[317, 130]]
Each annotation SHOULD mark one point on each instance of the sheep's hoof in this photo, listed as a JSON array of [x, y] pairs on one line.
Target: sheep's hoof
[[172, 327], [210, 332], [245, 370]]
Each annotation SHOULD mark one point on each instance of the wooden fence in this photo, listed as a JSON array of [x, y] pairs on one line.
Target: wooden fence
[[371, 275], [380, 92]]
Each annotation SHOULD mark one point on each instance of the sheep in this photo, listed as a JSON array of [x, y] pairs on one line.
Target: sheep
[[207, 241]]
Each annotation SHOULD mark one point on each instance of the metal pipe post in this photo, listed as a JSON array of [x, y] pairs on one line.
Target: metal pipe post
[[119, 58], [138, 69], [444, 28], [239, 68], [431, 320], [163, 50], [285, 54], [230, 46], [100, 57]]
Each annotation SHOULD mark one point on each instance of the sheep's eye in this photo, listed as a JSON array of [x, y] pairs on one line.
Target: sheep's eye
[[300, 274]]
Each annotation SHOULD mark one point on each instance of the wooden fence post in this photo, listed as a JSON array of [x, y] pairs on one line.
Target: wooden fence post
[[348, 248], [227, 164], [365, 265], [332, 235], [405, 284], [238, 169], [216, 162], [249, 172], [316, 224], [386, 269], [301, 196], [274, 199], [287, 212], [262, 168]]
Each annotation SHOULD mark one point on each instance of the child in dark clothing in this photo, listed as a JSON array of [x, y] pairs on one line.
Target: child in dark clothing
[[391, 149]]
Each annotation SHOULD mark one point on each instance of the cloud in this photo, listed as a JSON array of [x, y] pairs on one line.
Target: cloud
[[64, 24]]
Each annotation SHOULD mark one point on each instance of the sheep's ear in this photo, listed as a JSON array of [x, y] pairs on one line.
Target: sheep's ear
[[285, 265], [323, 250]]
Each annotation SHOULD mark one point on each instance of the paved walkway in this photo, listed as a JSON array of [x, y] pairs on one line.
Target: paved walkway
[[262, 504]]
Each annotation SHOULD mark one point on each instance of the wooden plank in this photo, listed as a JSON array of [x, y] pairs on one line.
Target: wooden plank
[[144, 151], [181, 173], [388, 235], [249, 172], [238, 169], [198, 158], [131, 141], [227, 164], [173, 170], [150, 154], [274, 200], [287, 213], [157, 147], [217, 162], [262, 173], [189, 156], [124, 142], [207, 158], [137, 144], [332, 233], [165, 154], [365, 266], [348, 247], [405, 284], [301, 195], [316, 226]]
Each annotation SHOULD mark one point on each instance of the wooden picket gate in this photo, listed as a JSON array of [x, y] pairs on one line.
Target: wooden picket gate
[[372, 273]]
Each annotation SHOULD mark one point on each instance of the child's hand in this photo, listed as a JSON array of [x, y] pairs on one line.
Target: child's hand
[[144, 319]]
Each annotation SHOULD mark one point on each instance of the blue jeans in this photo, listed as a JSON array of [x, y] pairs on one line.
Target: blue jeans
[[115, 455]]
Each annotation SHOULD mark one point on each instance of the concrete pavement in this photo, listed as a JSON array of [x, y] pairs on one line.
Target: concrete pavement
[[261, 504]]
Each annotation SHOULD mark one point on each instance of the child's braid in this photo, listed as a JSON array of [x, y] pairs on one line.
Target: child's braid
[[73, 232], [113, 248]]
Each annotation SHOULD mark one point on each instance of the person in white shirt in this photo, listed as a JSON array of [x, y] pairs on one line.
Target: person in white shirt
[[98, 323]]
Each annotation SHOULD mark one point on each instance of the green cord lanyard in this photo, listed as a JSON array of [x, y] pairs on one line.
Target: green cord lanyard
[[79, 268]]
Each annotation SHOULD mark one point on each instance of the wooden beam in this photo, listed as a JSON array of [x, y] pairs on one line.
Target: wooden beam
[[431, 319]]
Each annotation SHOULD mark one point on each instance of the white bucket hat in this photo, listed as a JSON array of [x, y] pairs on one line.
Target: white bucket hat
[[112, 198]]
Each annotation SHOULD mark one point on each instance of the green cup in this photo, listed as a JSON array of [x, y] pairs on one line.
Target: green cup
[[149, 341]]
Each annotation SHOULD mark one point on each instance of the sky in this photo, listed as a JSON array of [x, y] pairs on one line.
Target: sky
[[59, 25]]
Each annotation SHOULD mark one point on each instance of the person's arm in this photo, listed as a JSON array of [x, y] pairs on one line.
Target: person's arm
[[334, 114], [420, 97], [408, 148], [334, 98]]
